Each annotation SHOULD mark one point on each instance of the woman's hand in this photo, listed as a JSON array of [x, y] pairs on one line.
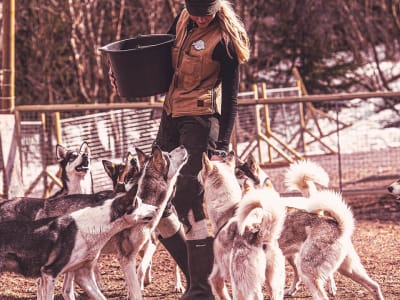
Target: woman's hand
[[218, 155]]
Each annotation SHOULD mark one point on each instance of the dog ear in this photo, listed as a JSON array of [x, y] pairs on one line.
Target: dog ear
[[128, 158], [206, 163], [253, 166], [84, 148], [109, 167], [231, 159], [247, 186], [159, 162], [121, 206], [60, 152], [142, 157]]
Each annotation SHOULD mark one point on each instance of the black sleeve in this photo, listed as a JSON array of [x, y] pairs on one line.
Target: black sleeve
[[229, 76], [172, 29]]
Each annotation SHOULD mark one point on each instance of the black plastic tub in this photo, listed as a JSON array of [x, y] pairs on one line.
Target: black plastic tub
[[141, 65]]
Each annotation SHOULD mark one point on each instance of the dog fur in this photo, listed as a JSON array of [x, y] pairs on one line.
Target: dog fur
[[49, 247], [305, 177], [120, 173], [394, 189], [319, 238], [246, 232], [159, 168], [159, 173], [76, 175], [154, 184]]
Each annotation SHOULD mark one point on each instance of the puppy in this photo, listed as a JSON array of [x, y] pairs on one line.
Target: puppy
[[49, 247], [318, 237], [246, 232]]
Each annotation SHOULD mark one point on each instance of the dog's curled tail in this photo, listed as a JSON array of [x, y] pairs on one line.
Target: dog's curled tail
[[260, 216], [303, 176], [333, 204]]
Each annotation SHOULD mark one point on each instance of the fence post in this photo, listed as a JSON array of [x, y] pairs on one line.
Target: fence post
[[11, 168]]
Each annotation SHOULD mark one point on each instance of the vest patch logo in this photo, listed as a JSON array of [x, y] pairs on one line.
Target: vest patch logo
[[199, 45]]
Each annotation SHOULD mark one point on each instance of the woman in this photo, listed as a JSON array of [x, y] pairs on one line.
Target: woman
[[199, 112]]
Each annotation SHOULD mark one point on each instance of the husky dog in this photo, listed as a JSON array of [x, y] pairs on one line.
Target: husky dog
[[120, 174], [48, 247], [159, 172], [246, 233], [318, 237], [156, 184], [304, 176], [394, 189], [249, 169], [76, 176]]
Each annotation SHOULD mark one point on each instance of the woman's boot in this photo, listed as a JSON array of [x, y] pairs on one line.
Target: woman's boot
[[176, 247], [201, 259]]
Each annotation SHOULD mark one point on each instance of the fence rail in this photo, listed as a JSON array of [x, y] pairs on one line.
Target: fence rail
[[277, 126]]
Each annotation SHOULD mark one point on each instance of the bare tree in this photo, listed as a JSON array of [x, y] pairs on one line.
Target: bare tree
[[329, 41]]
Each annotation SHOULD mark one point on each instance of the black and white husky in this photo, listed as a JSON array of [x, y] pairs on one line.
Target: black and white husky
[[75, 168], [157, 176], [48, 247], [76, 178], [154, 179]]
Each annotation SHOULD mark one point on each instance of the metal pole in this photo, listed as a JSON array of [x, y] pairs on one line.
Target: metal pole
[[8, 62]]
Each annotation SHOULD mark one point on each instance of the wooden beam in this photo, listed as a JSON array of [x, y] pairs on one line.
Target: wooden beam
[[277, 100], [8, 58]]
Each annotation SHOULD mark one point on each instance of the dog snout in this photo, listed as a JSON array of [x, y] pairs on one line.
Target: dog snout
[[390, 189], [148, 219]]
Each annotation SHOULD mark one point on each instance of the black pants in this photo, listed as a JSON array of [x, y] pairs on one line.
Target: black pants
[[197, 134]]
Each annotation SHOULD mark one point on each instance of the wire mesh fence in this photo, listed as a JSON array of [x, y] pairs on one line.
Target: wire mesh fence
[[355, 146]]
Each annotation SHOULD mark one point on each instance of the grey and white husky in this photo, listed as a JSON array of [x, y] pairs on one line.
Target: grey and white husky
[[246, 231], [120, 173], [317, 233]]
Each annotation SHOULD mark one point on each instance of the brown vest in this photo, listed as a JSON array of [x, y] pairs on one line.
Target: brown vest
[[194, 89]]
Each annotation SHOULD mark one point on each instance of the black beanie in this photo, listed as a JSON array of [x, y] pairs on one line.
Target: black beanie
[[202, 7]]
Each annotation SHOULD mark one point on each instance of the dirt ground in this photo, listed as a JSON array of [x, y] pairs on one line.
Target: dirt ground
[[376, 238], [377, 242]]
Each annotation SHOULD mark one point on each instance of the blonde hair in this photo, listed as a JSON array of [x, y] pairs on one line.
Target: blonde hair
[[233, 30]]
